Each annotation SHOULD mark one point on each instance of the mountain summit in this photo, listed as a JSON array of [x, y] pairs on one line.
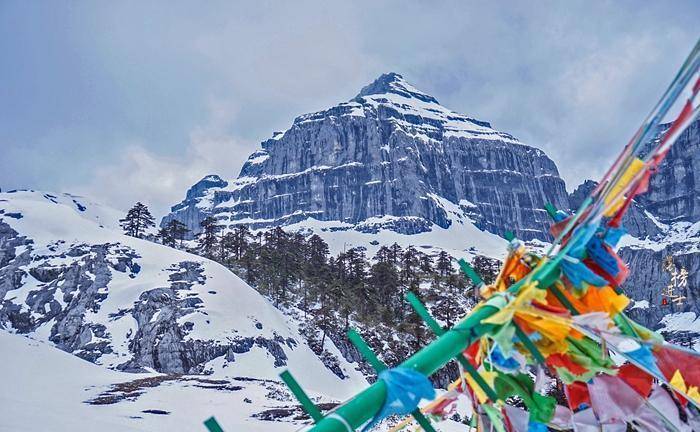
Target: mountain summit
[[392, 158], [394, 83]]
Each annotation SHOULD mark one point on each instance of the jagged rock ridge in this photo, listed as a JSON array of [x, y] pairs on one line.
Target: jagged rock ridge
[[388, 152]]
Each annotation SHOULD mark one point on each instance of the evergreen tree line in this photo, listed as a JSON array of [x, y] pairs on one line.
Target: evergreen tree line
[[335, 292], [348, 289]]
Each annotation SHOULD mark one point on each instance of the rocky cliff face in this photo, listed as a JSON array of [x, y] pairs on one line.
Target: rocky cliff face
[[388, 152], [637, 221], [674, 193], [649, 279], [672, 200], [662, 224]]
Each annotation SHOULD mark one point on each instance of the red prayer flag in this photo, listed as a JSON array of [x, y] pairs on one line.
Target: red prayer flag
[[577, 394], [636, 378]]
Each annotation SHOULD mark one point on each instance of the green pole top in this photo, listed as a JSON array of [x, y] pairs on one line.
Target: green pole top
[[366, 351], [422, 312], [212, 425], [471, 273], [551, 210], [306, 402]]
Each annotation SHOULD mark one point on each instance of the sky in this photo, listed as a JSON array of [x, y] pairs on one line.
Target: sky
[[126, 101]]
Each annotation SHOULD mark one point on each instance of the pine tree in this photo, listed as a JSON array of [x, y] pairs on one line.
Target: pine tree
[[426, 263], [137, 220], [315, 268], [413, 325], [448, 298], [177, 230], [395, 254], [240, 241], [331, 299], [172, 232], [447, 291], [166, 237], [226, 247], [385, 289], [355, 262], [343, 300], [280, 258], [384, 254], [207, 239], [444, 264], [316, 256], [250, 263], [409, 269], [486, 267]]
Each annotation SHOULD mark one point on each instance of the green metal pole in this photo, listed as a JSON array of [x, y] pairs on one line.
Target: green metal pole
[[421, 310], [366, 351], [551, 210], [563, 300], [428, 360], [365, 405], [529, 345], [471, 273], [379, 366]]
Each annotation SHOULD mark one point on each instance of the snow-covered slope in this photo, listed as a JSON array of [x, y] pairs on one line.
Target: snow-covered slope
[[462, 239], [46, 389], [129, 304]]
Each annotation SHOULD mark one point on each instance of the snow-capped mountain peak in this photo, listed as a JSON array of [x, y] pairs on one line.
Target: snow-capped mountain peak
[[394, 83], [409, 110], [392, 153]]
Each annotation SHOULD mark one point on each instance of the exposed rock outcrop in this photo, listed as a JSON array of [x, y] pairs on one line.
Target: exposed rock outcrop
[[673, 199], [134, 305]]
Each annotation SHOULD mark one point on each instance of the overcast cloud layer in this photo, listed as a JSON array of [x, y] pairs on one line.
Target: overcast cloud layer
[[126, 102]]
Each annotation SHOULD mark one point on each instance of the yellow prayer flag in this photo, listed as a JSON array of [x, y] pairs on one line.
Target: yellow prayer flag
[[527, 294], [634, 168], [489, 377], [678, 382], [550, 326]]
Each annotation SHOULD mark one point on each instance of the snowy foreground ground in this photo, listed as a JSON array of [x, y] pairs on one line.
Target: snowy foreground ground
[[45, 388]]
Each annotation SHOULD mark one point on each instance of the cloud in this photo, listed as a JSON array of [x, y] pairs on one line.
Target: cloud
[[160, 180], [140, 99]]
